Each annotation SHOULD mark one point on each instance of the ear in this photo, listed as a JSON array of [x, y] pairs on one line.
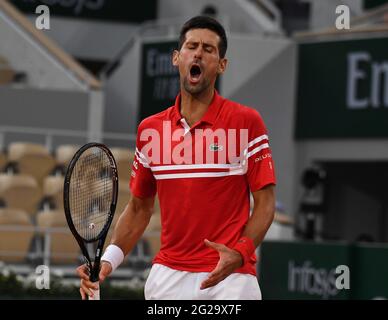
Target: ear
[[175, 57], [222, 65]]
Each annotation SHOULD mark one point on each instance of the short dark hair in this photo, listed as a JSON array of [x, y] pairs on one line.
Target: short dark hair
[[205, 22]]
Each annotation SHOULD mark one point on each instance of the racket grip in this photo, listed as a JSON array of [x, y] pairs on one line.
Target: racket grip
[[96, 293]]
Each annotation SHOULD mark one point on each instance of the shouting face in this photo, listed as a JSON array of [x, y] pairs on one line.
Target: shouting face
[[198, 61]]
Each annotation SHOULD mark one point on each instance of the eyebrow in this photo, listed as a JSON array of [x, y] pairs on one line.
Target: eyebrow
[[205, 44]]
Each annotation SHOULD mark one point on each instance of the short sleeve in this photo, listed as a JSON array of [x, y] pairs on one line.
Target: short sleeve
[[142, 182], [261, 170]]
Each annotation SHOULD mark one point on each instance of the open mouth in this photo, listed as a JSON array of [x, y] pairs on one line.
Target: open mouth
[[195, 72]]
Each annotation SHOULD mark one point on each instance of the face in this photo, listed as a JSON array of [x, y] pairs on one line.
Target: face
[[198, 61]]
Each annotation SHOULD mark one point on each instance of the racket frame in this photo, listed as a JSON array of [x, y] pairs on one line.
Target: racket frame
[[100, 238]]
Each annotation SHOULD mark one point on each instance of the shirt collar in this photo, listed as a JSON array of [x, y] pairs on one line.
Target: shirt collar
[[210, 115]]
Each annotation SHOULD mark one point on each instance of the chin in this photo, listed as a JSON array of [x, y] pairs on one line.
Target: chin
[[196, 89]]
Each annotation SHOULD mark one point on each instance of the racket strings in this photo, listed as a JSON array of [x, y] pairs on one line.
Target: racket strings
[[91, 190]]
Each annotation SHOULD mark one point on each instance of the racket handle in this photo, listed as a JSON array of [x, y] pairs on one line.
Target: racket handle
[[96, 293]]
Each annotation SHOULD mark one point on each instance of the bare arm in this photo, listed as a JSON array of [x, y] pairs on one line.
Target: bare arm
[[132, 223], [256, 228], [129, 228], [262, 214]]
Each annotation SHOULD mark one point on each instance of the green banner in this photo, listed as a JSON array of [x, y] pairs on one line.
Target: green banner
[[370, 277], [159, 78], [297, 270], [369, 4], [308, 270], [124, 11], [343, 89]]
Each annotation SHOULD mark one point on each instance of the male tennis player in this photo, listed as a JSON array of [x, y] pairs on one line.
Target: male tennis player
[[208, 236]]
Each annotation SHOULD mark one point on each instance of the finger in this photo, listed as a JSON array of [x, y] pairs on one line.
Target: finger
[[84, 277], [83, 272], [210, 282], [212, 279], [83, 269], [87, 290], [216, 273], [101, 276], [210, 243], [218, 269], [83, 295], [90, 285], [214, 245], [106, 269]]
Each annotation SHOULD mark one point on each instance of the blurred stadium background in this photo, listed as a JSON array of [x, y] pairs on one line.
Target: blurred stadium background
[[103, 66]]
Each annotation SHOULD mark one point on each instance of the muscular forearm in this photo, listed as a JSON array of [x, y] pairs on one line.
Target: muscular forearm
[[258, 225], [130, 226], [262, 215]]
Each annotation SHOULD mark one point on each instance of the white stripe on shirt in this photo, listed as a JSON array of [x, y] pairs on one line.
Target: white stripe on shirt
[[198, 175]]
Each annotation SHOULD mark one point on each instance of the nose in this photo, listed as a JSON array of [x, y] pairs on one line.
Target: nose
[[198, 52]]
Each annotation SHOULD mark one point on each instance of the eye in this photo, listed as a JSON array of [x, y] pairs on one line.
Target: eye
[[191, 45]]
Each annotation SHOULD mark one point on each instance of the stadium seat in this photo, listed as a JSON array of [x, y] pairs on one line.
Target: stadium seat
[[3, 161], [111, 229], [62, 247], [123, 196], [14, 242], [7, 75], [20, 192], [33, 159], [124, 159], [64, 154], [53, 189]]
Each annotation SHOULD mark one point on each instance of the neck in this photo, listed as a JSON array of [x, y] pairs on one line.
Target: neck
[[193, 107]]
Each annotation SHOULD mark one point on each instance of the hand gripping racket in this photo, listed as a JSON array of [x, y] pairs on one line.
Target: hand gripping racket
[[90, 196]]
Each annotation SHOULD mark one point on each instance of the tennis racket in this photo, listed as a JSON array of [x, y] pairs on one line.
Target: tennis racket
[[90, 196]]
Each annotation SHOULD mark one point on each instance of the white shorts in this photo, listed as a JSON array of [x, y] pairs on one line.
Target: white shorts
[[164, 283]]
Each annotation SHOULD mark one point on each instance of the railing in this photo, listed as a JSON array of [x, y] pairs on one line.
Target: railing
[[377, 29], [49, 134], [270, 10], [370, 15], [160, 27], [359, 25], [171, 28], [42, 250], [38, 37]]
